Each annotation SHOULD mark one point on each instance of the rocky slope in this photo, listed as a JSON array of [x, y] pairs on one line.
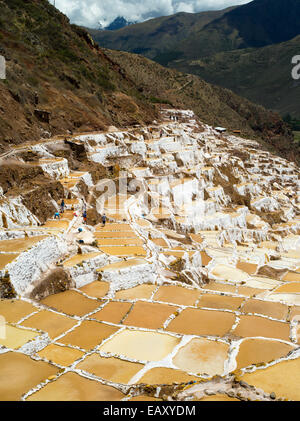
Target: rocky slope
[[55, 67], [58, 80]]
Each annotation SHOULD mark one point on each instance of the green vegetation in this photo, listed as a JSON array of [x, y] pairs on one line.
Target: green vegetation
[[297, 138], [160, 101], [294, 123]]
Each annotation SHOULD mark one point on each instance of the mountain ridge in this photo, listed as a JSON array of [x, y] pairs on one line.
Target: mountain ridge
[[256, 29]]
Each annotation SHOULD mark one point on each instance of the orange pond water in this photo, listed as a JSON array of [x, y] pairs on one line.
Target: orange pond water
[[267, 308], [52, 323], [256, 350], [112, 369], [72, 387], [19, 245], [250, 326], [62, 355], [143, 346], [72, 303], [113, 312], [158, 375], [177, 295], [79, 258], [19, 374], [15, 337], [14, 310], [149, 315], [124, 251], [88, 335], [202, 322], [141, 291], [202, 356], [220, 302], [5, 259], [283, 379]]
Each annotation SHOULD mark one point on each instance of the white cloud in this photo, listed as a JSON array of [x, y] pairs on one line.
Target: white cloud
[[90, 12]]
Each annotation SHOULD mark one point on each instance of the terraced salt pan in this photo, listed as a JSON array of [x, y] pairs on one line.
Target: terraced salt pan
[[261, 350], [138, 292], [111, 369], [202, 322], [72, 387], [15, 310], [220, 302], [19, 245], [96, 289], [19, 374], [291, 277], [52, 323], [115, 234], [245, 259], [6, 258], [119, 242], [227, 273], [221, 287], [79, 258], [158, 375], [275, 310], [251, 326], [202, 356], [15, 337], [262, 283], [149, 315], [288, 293], [113, 312], [114, 228], [247, 267], [123, 251], [139, 345], [71, 302], [177, 295], [88, 335], [57, 224], [282, 379], [61, 355]]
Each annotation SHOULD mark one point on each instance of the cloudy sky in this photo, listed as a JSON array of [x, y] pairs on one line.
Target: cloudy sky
[[92, 12]]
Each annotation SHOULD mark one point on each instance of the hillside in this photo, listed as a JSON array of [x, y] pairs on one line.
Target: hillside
[[212, 104], [55, 67], [156, 36], [247, 49], [261, 75], [256, 24], [188, 36]]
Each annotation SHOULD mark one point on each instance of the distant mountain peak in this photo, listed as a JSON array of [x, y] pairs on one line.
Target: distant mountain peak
[[118, 23]]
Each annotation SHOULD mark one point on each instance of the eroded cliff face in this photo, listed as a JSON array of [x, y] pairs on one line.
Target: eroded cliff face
[[190, 290]]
